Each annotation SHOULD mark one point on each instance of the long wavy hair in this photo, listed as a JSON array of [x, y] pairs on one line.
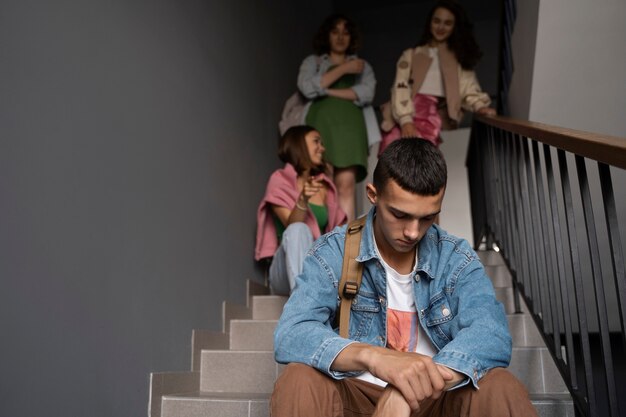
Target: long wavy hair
[[292, 149], [461, 41], [321, 42]]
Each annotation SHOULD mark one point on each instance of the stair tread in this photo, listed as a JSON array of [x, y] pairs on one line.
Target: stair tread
[[252, 396], [217, 396], [550, 397], [255, 320], [270, 296]]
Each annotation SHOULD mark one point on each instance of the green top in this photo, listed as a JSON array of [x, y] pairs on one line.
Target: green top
[[320, 213]]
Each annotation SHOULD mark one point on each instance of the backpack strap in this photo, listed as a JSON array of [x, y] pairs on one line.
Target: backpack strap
[[351, 273]]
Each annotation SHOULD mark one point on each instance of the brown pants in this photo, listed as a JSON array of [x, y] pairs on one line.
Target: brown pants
[[302, 391]]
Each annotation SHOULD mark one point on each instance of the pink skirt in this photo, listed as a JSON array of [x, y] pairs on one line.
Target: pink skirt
[[426, 120]]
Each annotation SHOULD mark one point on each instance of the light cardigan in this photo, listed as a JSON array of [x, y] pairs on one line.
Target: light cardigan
[[461, 88], [282, 190]]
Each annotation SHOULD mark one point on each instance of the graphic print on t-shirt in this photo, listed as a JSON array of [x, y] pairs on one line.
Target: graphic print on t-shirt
[[402, 330]]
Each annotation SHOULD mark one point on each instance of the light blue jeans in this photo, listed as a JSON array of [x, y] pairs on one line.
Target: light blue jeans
[[287, 262]]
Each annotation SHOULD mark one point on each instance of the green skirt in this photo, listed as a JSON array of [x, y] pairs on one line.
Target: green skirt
[[342, 126]]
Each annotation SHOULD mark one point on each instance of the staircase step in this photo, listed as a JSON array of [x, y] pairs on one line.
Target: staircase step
[[270, 307], [500, 276], [553, 405], [255, 288], [223, 405], [257, 405], [233, 311], [252, 335], [258, 335], [505, 296], [254, 371], [536, 369], [238, 371], [166, 383], [267, 307], [490, 257], [524, 331], [205, 339]]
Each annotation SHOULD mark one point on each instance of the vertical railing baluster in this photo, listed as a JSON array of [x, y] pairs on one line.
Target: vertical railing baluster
[[596, 275], [578, 286], [498, 158], [509, 202], [523, 221], [556, 231], [492, 191], [488, 179], [539, 279], [476, 185], [615, 243], [511, 212], [550, 268]]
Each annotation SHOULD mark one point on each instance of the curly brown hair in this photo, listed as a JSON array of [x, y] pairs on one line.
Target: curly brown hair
[[321, 42], [461, 41]]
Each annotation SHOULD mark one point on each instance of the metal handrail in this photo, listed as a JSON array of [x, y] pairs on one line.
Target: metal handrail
[[534, 192]]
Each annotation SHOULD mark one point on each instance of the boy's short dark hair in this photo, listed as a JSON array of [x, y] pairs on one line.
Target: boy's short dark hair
[[416, 165]]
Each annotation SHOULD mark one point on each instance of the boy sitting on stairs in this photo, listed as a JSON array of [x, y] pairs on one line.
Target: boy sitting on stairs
[[427, 336]]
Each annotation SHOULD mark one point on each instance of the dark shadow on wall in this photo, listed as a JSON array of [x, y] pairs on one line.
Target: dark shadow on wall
[[135, 141]]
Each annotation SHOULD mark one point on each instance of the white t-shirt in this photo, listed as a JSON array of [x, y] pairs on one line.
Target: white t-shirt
[[404, 333], [433, 82]]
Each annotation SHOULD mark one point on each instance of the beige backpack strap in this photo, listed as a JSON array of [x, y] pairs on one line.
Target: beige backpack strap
[[351, 273]]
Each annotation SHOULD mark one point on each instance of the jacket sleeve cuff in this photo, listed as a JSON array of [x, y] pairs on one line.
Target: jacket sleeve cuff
[[365, 87], [405, 119], [462, 363], [326, 355], [362, 96]]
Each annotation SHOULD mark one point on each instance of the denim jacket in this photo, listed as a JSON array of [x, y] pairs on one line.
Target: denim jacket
[[454, 299]]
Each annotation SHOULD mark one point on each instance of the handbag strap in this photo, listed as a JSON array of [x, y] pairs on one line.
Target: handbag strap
[[351, 273]]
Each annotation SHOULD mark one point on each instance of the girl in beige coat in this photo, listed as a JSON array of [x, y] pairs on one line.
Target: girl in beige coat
[[435, 81]]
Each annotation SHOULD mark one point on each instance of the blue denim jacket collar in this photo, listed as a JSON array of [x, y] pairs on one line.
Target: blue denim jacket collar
[[426, 252]]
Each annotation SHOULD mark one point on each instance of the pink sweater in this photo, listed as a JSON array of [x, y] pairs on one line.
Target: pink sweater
[[282, 190]]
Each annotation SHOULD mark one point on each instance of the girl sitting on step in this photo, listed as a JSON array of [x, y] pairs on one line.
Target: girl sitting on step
[[300, 203]]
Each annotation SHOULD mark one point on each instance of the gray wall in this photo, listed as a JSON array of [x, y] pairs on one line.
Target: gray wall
[[135, 141], [523, 43], [571, 51], [581, 60]]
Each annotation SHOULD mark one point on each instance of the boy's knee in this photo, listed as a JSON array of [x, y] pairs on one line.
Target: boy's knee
[[304, 391], [299, 381], [500, 381], [298, 375], [502, 394]]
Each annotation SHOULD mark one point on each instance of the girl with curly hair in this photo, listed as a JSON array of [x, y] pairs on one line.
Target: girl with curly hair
[[340, 87], [435, 81]]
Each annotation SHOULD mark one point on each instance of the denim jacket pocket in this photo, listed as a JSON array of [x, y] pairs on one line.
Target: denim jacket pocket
[[438, 317], [364, 310]]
